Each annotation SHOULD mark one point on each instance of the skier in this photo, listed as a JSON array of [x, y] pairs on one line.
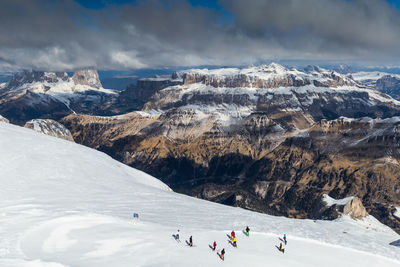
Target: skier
[[281, 249], [191, 241], [232, 234], [214, 246], [284, 239], [247, 230], [177, 235], [234, 241], [223, 254]]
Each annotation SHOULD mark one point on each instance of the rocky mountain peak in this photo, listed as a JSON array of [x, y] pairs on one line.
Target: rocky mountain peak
[[274, 67], [313, 68], [88, 77], [31, 76]]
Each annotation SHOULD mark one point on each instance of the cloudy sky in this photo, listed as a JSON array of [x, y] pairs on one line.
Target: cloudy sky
[[123, 34]]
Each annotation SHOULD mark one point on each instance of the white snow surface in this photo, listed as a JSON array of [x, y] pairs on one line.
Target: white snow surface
[[331, 201], [263, 72], [62, 204], [372, 75]]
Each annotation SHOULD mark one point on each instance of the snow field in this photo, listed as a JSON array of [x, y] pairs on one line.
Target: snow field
[[62, 204]]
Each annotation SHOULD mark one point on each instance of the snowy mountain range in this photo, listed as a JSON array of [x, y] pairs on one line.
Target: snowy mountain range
[[263, 144], [384, 82], [265, 138], [265, 76], [63, 204]]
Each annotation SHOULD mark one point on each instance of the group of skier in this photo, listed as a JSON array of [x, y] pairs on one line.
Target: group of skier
[[232, 240], [281, 248]]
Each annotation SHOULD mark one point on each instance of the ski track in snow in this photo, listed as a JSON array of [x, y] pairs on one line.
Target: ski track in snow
[[62, 204]]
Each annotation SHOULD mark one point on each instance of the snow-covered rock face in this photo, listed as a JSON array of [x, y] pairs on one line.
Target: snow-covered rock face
[[268, 86], [50, 127], [384, 82], [55, 82], [271, 76], [30, 77], [33, 94], [272, 89]]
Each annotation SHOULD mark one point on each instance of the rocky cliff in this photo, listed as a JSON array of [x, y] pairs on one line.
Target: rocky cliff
[[50, 127], [37, 94], [384, 82], [271, 76], [87, 77], [389, 84], [136, 95]]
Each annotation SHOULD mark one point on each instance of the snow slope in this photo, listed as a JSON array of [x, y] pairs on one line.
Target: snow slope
[[372, 75], [331, 201], [62, 204]]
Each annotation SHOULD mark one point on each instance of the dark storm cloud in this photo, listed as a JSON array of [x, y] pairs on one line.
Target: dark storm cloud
[[63, 35], [342, 25]]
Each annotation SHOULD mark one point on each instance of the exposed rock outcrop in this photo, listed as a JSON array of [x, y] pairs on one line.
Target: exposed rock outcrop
[[50, 127], [135, 96], [2, 119], [87, 77], [390, 85], [355, 209]]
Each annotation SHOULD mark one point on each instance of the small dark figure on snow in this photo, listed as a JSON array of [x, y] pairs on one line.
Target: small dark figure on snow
[[234, 241], [247, 230], [232, 234], [191, 241], [223, 254], [284, 238], [214, 246], [177, 236], [281, 249]]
